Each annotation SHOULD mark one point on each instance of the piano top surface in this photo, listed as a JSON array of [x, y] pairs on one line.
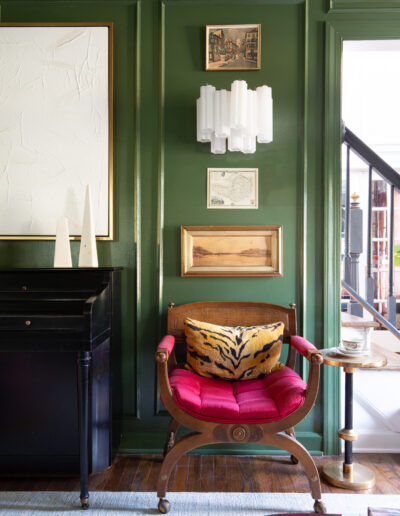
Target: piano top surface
[[59, 269]]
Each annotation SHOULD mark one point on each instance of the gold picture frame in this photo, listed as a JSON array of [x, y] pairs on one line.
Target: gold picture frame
[[71, 141], [231, 251], [233, 47]]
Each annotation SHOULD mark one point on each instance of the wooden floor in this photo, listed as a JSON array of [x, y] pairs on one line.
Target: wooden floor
[[213, 473]]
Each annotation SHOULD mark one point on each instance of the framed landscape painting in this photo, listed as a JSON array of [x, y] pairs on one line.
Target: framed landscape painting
[[233, 47], [231, 250]]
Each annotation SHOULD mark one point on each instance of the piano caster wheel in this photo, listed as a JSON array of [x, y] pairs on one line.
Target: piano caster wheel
[[294, 459], [85, 503], [164, 506], [319, 507]]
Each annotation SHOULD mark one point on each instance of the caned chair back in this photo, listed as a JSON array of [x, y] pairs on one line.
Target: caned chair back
[[230, 313]]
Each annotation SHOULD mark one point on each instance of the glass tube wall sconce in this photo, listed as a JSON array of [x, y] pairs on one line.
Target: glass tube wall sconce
[[240, 117]]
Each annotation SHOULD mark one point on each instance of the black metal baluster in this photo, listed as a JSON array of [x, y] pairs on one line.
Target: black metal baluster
[[391, 296], [369, 285], [347, 259]]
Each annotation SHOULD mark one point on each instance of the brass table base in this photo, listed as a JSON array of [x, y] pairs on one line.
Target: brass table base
[[360, 478]]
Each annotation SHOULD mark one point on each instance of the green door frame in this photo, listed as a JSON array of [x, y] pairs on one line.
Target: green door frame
[[336, 32]]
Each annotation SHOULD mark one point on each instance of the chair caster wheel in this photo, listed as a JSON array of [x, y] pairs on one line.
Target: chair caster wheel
[[294, 459], [319, 507], [85, 503], [164, 506]]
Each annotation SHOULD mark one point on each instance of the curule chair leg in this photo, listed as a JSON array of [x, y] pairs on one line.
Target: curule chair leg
[[171, 434], [290, 431], [184, 445], [293, 446]]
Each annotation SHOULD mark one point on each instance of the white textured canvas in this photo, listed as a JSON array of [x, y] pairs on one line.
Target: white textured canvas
[[54, 128]]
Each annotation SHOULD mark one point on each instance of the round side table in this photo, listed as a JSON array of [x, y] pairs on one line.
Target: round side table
[[347, 474]]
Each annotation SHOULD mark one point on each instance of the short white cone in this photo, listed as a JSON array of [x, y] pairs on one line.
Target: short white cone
[[88, 250], [62, 252]]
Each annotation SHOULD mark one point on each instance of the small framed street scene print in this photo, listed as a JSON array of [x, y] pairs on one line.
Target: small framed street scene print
[[231, 250], [233, 47], [232, 188]]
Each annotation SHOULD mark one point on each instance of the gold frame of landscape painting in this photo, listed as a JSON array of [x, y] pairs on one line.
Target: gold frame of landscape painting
[[231, 250], [233, 47]]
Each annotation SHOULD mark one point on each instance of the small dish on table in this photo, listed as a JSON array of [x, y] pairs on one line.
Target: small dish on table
[[350, 353]]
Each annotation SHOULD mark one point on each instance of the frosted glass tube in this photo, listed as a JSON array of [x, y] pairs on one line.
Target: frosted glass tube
[[251, 125], [235, 141], [238, 114], [218, 145], [249, 145], [221, 111], [203, 135], [264, 114], [206, 113]]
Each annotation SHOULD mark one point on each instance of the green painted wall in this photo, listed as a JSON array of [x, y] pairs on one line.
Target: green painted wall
[[160, 179]]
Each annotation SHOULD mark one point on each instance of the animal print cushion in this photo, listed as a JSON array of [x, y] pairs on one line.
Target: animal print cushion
[[237, 353]]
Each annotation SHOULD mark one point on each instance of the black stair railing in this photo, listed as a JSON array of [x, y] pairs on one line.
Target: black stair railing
[[353, 233], [370, 309]]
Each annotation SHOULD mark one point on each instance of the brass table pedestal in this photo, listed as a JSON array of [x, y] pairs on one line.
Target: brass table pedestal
[[360, 477], [347, 474]]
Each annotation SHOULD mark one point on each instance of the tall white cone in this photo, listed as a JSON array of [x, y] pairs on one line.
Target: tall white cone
[[62, 252], [88, 250]]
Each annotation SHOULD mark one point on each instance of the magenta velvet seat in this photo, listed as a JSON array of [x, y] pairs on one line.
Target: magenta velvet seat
[[271, 398]]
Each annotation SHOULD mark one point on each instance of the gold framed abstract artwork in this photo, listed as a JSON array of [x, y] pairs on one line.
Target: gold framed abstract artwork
[[57, 128], [231, 251], [233, 47]]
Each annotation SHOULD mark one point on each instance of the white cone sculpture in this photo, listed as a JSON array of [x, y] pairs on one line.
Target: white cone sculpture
[[62, 253], [88, 250]]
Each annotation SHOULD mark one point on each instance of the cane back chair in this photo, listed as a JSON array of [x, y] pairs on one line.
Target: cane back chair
[[262, 411]]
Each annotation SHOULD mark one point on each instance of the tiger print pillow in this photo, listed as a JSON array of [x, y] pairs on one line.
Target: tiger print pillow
[[237, 353]]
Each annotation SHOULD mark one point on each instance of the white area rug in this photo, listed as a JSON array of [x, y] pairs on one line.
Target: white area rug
[[184, 504]]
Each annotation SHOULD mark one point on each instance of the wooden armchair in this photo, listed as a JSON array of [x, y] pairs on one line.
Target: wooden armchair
[[280, 400]]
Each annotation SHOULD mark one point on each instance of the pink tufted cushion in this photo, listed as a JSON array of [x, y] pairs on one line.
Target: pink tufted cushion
[[270, 398]]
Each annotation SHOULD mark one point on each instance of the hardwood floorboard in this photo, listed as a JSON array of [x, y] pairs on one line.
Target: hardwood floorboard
[[209, 473], [193, 473]]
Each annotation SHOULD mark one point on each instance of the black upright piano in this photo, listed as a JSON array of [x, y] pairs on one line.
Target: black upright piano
[[57, 329]]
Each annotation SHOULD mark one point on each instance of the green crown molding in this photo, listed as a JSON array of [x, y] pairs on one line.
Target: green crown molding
[[341, 6]]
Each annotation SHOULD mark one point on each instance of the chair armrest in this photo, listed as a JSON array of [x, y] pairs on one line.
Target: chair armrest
[[165, 348], [305, 348]]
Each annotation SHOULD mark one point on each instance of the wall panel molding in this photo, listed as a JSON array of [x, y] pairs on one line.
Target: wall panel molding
[[234, 2], [137, 201], [343, 6]]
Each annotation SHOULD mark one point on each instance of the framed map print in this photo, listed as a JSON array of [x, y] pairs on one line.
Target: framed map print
[[232, 188]]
